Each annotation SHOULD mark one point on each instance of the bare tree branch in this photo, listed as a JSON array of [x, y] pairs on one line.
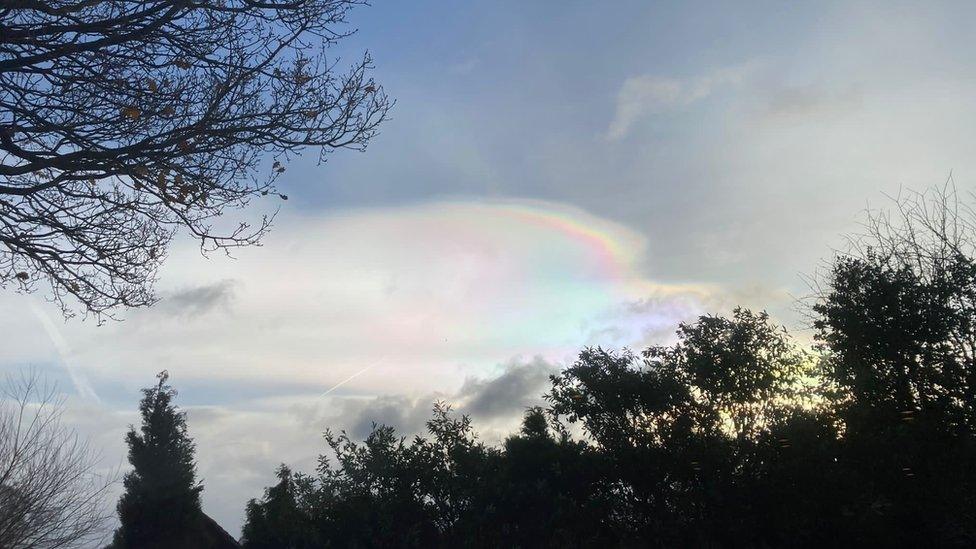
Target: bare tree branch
[[123, 122], [51, 492]]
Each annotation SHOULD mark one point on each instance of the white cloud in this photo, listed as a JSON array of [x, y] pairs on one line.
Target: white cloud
[[645, 95], [411, 299]]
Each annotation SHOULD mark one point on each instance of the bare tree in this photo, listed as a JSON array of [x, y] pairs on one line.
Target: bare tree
[[51, 492], [925, 232], [124, 121]]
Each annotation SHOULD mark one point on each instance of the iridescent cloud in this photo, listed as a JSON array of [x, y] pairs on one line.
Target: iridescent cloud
[[403, 299]]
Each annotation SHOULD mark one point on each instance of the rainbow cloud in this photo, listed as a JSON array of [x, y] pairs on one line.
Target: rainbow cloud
[[393, 299], [613, 248]]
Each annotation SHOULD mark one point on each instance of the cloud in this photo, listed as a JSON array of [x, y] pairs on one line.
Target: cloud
[[494, 402], [520, 385], [197, 300], [420, 297], [407, 415], [645, 95], [407, 305]]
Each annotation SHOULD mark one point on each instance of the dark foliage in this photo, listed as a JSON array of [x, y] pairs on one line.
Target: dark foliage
[[897, 327], [283, 517], [678, 427], [161, 503]]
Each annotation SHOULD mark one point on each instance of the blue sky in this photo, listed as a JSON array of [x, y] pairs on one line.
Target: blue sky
[[554, 175], [511, 99]]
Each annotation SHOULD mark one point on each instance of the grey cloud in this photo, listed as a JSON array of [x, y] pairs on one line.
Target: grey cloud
[[496, 400], [606, 333], [521, 385], [198, 300], [407, 415]]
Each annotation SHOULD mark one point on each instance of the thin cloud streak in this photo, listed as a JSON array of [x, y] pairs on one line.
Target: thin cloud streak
[[348, 379], [81, 384]]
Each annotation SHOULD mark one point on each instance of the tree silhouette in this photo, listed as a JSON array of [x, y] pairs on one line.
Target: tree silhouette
[[283, 518], [896, 320], [51, 492], [678, 424], [548, 490], [124, 121], [161, 503]]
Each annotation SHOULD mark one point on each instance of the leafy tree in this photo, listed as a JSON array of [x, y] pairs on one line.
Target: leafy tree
[[283, 519], [671, 437], [549, 490], [896, 321], [744, 370], [372, 497], [381, 492], [445, 489], [790, 489], [125, 121], [677, 425], [161, 503]]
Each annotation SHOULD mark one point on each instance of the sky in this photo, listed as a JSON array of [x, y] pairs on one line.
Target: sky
[[554, 175]]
